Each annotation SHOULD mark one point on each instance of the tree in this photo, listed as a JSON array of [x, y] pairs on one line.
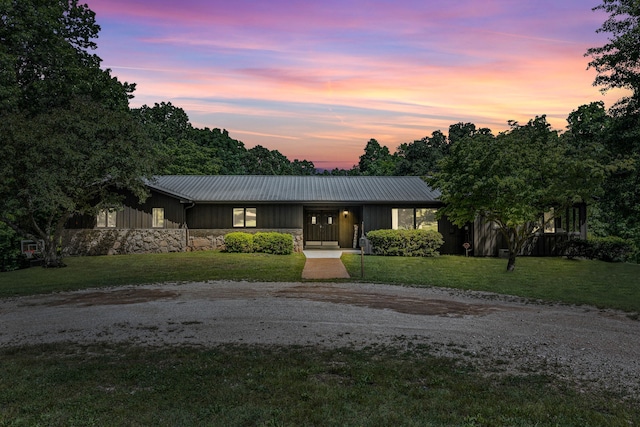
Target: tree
[[262, 161], [45, 58], [376, 160], [618, 61], [618, 66], [69, 144], [511, 180], [420, 158]]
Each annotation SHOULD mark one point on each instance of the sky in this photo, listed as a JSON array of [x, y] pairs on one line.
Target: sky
[[316, 80]]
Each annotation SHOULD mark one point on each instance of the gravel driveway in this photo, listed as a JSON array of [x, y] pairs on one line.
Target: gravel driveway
[[506, 334]]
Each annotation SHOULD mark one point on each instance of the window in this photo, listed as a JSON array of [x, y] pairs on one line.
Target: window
[[549, 222], [158, 217], [402, 219], [426, 219], [244, 217], [414, 218], [106, 218]]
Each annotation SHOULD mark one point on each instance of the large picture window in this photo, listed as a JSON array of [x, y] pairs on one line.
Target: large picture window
[[244, 217], [106, 219], [158, 217], [414, 218]]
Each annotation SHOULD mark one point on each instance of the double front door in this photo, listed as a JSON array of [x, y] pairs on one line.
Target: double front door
[[321, 228]]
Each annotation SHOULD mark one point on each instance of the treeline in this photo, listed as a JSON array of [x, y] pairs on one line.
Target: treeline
[[607, 140], [186, 150]]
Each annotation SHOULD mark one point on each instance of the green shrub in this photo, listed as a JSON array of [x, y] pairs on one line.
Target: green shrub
[[273, 243], [576, 248], [11, 258], [239, 242], [610, 249], [423, 243]]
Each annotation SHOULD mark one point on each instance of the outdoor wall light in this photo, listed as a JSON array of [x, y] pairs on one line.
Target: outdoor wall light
[[346, 212]]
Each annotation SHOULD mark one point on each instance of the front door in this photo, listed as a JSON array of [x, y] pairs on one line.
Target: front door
[[321, 228]]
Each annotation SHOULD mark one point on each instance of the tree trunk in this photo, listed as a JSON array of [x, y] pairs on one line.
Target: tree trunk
[[511, 264], [50, 254]]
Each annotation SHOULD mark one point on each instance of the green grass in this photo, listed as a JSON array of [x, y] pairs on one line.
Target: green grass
[[67, 384], [100, 271], [58, 385], [605, 285]]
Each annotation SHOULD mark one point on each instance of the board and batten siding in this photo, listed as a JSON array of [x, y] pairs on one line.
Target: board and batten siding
[[214, 216], [136, 215]]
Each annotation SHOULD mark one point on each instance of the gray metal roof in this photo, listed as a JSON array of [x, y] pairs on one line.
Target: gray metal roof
[[306, 189]]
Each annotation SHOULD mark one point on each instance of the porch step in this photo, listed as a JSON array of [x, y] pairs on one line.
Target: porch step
[[313, 243]]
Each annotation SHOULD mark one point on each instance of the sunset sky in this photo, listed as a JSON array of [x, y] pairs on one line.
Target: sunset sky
[[317, 79]]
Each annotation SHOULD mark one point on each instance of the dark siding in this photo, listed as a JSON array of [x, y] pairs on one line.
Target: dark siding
[[135, 215], [377, 217], [267, 216], [279, 216], [210, 216], [138, 215], [346, 226], [454, 237]]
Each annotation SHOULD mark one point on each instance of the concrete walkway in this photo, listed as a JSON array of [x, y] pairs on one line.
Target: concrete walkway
[[324, 264]]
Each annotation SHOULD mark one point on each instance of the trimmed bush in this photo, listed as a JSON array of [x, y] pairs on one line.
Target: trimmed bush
[[423, 243], [273, 243], [576, 248], [610, 249], [239, 242]]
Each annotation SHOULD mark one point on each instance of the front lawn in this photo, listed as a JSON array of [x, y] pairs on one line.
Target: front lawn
[[606, 285], [101, 271], [602, 284]]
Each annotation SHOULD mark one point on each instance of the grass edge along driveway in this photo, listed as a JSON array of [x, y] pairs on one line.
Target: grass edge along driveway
[[604, 285]]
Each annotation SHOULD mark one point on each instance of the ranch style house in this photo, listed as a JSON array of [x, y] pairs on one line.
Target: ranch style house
[[191, 212]]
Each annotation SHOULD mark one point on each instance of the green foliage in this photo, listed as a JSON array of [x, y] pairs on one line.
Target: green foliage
[[45, 58], [239, 242], [273, 243], [68, 161], [10, 256], [67, 139], [611, 248], [618, 61], [576, 248], [192, 151], [376, 160], [412, 243], [420, 157], [513, 178]]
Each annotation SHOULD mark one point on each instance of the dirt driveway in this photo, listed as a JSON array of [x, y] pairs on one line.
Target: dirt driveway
[[500, 333]]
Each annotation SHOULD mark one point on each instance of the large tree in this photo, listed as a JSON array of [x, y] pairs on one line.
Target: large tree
[[376, 160], [420, 157], [69, 143], [617, 63], [512, 180]]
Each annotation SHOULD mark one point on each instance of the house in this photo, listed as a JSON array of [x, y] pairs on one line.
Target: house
[[186, 213]]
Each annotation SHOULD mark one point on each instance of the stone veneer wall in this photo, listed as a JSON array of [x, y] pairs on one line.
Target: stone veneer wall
[[123, 241], [213, 239], [140, 241]]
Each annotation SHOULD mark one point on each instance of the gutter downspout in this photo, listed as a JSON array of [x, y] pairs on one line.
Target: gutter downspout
[[184, 224]]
